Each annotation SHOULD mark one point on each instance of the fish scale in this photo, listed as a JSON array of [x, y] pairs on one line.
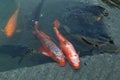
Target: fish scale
[[53, 47]]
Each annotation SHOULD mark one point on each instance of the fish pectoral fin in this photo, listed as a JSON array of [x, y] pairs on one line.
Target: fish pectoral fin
[[44, 52], [18, 30], [45, 35], [78, 53], [2, 30]]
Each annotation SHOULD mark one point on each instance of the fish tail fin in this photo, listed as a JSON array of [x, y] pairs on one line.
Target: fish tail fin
[[36, 25], [18, 7], [56, 24], [18, 4]]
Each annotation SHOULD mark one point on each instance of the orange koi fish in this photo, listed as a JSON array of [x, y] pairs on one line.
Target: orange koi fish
[[10, 28], [49, 47], [67, 48]]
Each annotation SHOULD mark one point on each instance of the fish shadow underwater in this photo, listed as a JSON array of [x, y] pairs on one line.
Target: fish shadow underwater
[[18, 56]]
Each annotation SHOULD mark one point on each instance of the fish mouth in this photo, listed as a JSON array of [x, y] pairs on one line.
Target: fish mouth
[[76, 67]]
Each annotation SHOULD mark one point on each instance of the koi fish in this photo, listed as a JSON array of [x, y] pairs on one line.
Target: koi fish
[[10, 28], [67, 48], [49, 47]]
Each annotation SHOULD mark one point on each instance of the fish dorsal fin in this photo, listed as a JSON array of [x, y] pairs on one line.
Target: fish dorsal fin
[[45, 35]]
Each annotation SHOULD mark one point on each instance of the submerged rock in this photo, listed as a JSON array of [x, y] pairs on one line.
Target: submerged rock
[[84, 25], [96, 67], [16, 51]]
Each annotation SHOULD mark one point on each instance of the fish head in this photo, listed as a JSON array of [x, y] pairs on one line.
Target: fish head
[[75, 61]]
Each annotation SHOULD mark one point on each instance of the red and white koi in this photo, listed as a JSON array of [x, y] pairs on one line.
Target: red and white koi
[[67, 48]]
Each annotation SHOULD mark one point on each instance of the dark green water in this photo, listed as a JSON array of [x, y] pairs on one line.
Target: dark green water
[[85, 33]]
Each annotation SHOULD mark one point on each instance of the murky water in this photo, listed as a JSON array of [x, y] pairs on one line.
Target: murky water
[[91, 25]]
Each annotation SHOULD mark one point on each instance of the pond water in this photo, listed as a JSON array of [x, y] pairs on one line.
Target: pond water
[[92, 26]]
